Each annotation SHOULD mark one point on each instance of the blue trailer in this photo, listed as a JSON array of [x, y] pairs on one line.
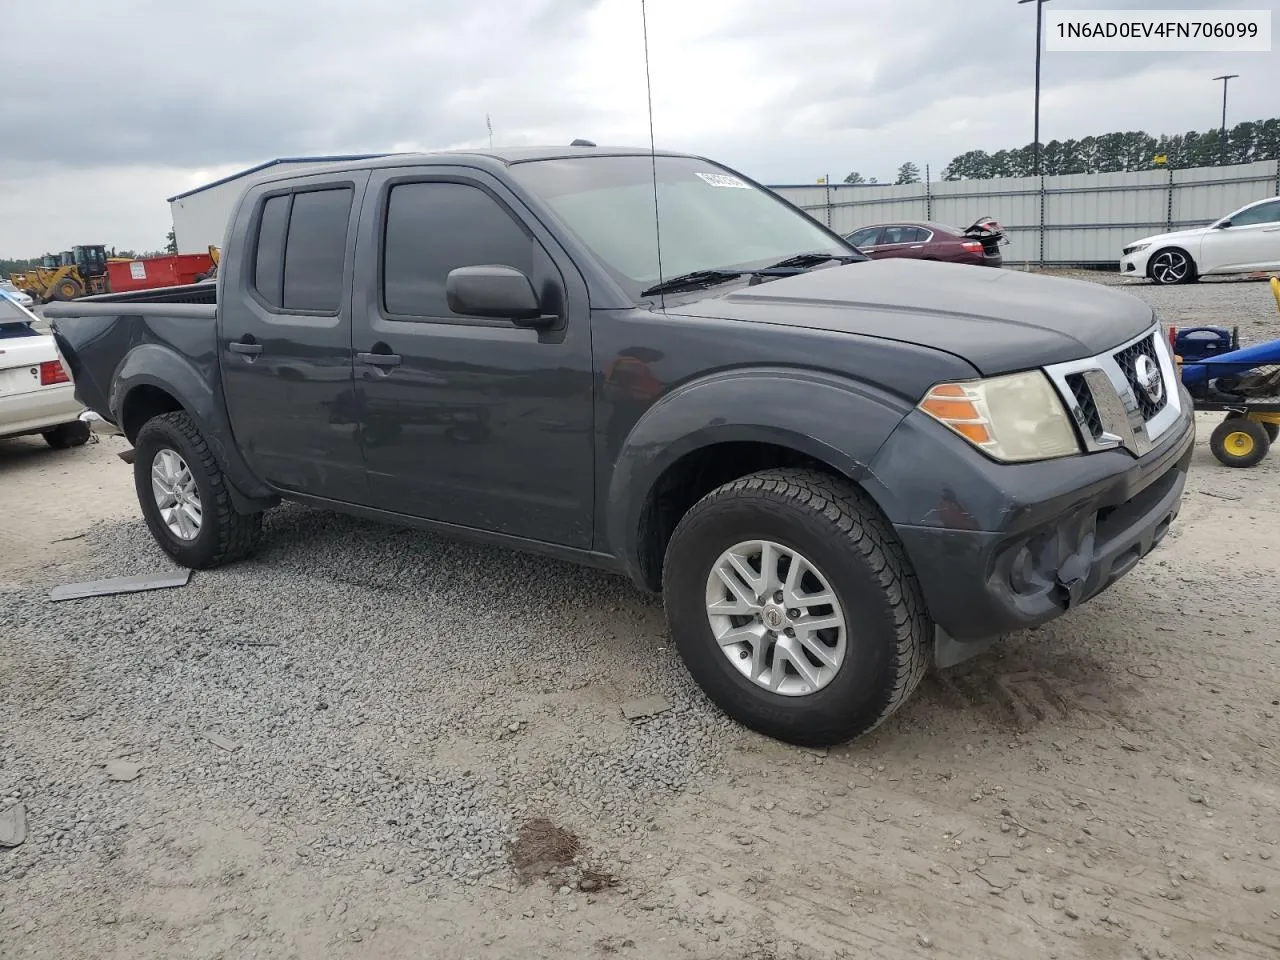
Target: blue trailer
[[1243, 382]]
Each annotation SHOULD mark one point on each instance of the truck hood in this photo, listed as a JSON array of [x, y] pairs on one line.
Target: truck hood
[[998, 320]]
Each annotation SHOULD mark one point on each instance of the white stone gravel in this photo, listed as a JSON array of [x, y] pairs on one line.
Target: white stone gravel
[[369, 679]]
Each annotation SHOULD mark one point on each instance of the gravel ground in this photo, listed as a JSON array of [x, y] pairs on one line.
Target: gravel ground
[[337, 745]]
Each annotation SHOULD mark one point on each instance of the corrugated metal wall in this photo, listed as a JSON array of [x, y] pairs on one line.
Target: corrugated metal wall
[[1074, 219]]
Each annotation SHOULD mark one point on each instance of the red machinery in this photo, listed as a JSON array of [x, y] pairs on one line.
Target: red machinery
[[169, 271]]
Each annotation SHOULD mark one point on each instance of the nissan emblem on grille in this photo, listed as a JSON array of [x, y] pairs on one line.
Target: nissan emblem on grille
[[1147, 372]]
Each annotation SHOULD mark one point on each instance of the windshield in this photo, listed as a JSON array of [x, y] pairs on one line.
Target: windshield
[[709, 217]]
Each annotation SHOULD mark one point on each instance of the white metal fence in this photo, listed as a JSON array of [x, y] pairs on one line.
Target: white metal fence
[[1075, 219]]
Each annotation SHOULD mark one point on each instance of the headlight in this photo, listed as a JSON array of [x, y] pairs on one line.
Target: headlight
[[1135, 248], [1017, 417]]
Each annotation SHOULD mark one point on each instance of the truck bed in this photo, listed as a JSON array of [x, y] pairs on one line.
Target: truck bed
[[103, 338], [188, 293]]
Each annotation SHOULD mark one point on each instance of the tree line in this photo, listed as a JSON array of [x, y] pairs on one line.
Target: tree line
[[1246, 142]]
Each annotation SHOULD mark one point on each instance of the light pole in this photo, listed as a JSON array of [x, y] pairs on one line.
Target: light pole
[[1222, 133], [1039, 31]]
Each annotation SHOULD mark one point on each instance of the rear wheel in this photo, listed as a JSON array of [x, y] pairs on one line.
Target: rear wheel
[[184, 496], [1172, 266], [74, 434], [794, 608]]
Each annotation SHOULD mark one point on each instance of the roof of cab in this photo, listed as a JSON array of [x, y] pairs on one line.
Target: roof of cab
[[505, 155]]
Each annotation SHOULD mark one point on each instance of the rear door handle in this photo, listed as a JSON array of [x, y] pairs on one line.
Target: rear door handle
[[245, 349], [379, 359]]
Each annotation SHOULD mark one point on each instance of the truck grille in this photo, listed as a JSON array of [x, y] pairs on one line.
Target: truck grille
[[1124, 398], [1128, 361], [1089, 418]]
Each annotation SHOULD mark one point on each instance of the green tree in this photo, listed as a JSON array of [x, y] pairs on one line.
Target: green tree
[[855, 177], [171, 243], [908, 173], [1246, 142]]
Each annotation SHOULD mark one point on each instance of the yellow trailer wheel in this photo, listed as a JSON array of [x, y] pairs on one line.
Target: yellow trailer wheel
[[1239, 442], [1273, 429]]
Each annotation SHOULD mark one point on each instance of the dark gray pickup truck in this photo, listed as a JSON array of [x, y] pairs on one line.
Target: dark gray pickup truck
[[832, 468]]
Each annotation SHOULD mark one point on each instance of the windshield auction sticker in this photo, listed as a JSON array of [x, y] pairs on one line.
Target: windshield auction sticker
[[722, 180], [1120, 31]]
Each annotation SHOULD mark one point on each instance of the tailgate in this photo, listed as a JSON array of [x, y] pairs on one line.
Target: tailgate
[[20, 360]]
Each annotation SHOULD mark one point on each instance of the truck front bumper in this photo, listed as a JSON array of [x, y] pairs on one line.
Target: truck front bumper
[[1002, 547]]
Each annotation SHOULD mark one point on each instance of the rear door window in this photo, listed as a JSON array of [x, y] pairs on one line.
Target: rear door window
[[315, 251], [268, 269], [301, 249], [902, 235]]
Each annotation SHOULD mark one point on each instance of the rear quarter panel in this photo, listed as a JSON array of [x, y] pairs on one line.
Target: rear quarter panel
[[114, 349]]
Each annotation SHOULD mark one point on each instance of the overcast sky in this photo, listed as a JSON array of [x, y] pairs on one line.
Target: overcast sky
[[152, 97]]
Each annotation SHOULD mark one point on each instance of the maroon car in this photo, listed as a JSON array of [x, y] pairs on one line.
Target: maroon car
[[978, 244]]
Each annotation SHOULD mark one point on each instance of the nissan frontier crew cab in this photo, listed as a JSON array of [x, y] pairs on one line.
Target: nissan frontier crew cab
[[827, 465]]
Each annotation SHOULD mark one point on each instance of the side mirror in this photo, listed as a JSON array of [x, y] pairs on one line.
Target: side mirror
[[1222, 224], [496, 292]]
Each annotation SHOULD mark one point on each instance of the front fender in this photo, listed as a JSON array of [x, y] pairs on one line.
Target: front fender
[[154, 365], [838, 421]]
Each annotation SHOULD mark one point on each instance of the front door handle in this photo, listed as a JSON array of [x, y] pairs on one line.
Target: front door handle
[[379, 359], [245, 349]]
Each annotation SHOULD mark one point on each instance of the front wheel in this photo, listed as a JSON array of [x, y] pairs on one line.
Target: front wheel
[[794, 607], [1172, 266], [184, 497], [66, 289]]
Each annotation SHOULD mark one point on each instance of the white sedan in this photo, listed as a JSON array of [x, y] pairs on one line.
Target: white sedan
[[1246, 241], [7, 289], [36, 392]]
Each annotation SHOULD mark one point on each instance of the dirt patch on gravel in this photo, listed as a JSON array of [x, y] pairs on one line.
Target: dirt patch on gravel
[[540, 849]]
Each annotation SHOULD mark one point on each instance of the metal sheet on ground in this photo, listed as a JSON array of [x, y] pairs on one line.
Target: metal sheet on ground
[[114, 585]]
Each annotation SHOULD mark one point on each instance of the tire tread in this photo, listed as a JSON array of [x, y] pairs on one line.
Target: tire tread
[[238, 533], [858, 521]]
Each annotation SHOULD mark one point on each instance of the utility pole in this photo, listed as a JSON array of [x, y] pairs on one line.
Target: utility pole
[[1039, 33], [1222, 133]]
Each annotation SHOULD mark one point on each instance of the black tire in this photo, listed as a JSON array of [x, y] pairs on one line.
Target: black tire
[[839, 530], [1181, 267], [66, 289], [73, 434], [1273, 429], [225, 535], [1239, 442]]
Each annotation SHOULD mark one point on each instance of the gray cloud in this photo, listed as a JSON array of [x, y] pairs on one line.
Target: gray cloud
[[163, 90]]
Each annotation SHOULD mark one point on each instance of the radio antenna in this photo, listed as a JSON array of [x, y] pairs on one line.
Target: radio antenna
[[653, 151]]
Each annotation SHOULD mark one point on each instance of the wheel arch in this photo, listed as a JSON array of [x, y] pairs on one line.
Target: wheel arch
[[1176, 248], [153, 380], [683, 448]]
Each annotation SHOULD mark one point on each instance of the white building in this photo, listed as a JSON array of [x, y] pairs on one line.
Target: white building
[[200, 216]]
